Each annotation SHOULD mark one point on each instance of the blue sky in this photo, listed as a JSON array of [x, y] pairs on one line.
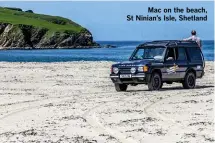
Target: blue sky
[[107, 20]]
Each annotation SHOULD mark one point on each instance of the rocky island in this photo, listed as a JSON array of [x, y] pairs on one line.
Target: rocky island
[[27, 30]]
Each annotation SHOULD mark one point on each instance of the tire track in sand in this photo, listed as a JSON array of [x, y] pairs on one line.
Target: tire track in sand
[[92, 121], [41, 102], [91, 118], [150, 111]]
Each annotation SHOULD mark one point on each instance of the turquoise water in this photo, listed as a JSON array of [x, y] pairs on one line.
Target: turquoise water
[[122, 52]]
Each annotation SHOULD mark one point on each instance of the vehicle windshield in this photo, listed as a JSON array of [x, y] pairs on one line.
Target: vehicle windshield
[[148, 53]]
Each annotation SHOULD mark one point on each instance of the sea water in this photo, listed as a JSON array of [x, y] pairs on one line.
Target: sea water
[[122, 52]]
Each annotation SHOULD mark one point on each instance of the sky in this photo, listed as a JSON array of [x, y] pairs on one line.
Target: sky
[[107, 21]]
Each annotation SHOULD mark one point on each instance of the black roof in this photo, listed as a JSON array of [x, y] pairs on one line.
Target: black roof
[[170, 43]]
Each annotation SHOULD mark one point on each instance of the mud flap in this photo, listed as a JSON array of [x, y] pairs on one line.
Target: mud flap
[[148, 77]]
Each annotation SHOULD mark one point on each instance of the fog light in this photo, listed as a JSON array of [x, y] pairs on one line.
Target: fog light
[[133, 70]]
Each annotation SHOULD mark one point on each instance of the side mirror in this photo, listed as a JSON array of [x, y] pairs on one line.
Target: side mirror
[[169, 59]]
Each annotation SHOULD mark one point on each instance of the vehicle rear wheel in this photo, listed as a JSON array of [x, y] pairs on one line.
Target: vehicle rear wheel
[[121, 87], [189, 81], [155, 82]]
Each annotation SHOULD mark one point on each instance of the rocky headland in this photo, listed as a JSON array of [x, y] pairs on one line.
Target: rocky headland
[[26, 30]]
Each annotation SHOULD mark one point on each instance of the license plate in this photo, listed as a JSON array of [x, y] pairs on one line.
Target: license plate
[[125, 76]]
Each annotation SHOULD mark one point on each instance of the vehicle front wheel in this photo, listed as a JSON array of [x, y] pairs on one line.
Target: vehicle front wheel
[[189, 81], [121, 87], [155, 82]]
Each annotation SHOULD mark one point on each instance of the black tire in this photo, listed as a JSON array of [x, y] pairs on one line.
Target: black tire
[[155, 82], [189, 81], [120, 87]]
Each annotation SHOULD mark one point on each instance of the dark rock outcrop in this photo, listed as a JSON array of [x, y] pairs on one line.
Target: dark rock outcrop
[[29, 11], [13, 8], [29, 37]]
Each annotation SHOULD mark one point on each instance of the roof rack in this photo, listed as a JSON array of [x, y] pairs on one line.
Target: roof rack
[[167, 43]]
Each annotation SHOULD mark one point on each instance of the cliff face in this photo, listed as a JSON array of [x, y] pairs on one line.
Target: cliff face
[[29, 37], [34, 31]]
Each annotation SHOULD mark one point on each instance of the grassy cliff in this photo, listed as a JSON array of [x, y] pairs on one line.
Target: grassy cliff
[[40, 31]]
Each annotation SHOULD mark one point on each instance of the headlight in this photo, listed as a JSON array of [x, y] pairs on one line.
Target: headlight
[[140, 69], [143, 69], [115, 70], [133, 70]]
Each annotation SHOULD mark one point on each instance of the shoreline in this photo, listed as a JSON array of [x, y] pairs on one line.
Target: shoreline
[[75, 61], [30, 48]]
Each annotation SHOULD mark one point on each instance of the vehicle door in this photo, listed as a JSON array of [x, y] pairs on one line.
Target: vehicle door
[[170, 67], [181, 61]]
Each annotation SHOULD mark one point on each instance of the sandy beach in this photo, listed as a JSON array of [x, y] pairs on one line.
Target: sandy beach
[[76, 102]]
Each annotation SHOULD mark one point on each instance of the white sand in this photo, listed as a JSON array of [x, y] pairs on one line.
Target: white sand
[[76, 102]]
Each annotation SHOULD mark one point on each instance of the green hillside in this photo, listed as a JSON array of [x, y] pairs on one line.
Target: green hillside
[[27, 30], [52, 23]]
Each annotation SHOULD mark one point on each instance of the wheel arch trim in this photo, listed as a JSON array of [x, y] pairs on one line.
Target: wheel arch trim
[[190, 70]]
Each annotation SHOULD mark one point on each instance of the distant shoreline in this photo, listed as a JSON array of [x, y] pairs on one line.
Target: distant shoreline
[[121, 51], [60, 48], [79, 47]]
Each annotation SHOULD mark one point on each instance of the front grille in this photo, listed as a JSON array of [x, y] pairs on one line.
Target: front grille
[[125, 70]]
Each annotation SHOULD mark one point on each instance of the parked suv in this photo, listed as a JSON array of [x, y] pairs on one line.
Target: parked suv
[[158, 62]]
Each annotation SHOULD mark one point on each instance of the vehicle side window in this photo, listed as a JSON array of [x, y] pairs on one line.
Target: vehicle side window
[[180, 54], [194, 53], [170, 53]]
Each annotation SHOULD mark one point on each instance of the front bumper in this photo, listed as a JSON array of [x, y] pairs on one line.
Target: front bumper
[[134, 79]]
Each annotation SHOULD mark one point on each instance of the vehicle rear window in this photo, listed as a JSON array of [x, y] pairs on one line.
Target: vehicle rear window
[[194, 53]]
